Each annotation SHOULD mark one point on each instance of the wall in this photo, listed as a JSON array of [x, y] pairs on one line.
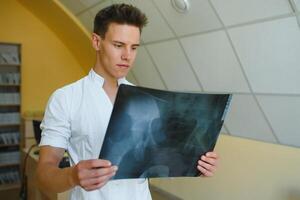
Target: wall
[[46, 62], [248, 170], [67, 28]]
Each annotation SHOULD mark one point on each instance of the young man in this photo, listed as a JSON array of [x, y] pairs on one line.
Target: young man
[[77, 116]]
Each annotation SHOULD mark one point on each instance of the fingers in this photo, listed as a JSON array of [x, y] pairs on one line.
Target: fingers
[[206, 166], [208, 163], [95, 163], [95, 183], [204, 171], [96, 172], [212, 154], [93, 174], [94, 187], [209, 160]]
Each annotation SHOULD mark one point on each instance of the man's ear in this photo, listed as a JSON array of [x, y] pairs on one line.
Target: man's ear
[[96, 40]]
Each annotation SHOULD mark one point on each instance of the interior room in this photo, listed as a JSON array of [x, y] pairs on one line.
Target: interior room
[[250, 49]]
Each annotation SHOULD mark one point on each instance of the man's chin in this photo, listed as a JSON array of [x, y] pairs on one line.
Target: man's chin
[[121, 75]]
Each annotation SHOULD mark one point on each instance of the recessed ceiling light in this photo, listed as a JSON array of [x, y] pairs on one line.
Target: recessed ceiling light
[[181, 6]]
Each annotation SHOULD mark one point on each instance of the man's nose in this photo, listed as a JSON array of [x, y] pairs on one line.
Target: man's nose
[[126, 54]]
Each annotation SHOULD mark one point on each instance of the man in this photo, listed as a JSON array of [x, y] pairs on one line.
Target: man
[[77, 116]]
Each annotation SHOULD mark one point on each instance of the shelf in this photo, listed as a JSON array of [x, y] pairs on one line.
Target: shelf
[[10, 85], [9, 145], [9, 65], [9, 105], [9, 186], [8, 125], [9, 164]]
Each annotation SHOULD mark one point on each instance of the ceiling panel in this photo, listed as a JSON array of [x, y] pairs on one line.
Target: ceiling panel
[[173, 66], [215, 63], [145, 72], [246, 120], [89, 3], [297, 2], [74, 7], [240, 11], [199, 18], [95, 9], [86, 19], [283, 113], [270, 55], [162, 31]]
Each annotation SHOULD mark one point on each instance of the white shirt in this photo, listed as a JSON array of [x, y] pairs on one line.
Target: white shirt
[[76, 119]]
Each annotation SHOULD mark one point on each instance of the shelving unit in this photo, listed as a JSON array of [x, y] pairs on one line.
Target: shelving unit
[[9, 186], [10, 165], [10, 108], [9, 145]]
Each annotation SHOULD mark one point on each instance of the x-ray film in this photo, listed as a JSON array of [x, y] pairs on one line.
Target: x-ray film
[[156, 133]]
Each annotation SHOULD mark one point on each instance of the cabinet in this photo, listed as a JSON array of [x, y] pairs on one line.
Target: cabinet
[[10, 108]]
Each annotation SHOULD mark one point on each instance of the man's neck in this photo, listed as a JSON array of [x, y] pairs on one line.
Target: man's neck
[[108, 81], [111, 90], [110, 84]]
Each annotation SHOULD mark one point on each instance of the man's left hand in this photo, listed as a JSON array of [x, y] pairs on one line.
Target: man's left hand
[[208, 163]]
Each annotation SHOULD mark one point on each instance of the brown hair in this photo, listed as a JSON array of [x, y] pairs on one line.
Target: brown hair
[[121, 14]]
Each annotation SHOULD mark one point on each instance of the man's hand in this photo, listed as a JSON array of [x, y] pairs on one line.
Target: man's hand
[[208, 163], [92, 174]]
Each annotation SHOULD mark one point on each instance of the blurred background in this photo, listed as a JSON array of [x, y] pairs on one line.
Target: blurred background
[[248, 48]]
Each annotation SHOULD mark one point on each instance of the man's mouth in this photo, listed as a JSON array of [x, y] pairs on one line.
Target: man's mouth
[[123, 65]]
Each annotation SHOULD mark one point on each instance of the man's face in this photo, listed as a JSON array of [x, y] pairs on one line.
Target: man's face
[[118, 49]]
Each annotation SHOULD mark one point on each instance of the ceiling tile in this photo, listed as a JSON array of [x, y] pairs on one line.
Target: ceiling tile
[[95, 9], [283, 113], [199, 18], [240, 11], [89, 3], [156, 29], [246, 120], [173, 66], [270, 55], [215, 63], [87, 17], [145, 72], [87, 20], [297, 2], [74, 6]]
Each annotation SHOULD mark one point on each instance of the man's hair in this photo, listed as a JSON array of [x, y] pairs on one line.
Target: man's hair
[[120, 14]]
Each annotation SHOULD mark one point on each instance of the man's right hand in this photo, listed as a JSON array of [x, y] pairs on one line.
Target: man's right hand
[[89, 174], [92, 174]]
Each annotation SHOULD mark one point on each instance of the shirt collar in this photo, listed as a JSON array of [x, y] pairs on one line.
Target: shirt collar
[[100, 80]]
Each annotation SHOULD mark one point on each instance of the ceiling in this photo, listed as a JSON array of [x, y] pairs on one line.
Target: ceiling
[[248, 48]]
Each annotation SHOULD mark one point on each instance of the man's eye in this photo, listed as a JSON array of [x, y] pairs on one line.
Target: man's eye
[[117, 45]]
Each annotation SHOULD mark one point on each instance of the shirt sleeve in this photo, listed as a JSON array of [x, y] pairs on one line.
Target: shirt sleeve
[[56, 128]]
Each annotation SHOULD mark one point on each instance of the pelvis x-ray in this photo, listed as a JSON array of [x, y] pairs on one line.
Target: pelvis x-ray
[[155, 133]]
